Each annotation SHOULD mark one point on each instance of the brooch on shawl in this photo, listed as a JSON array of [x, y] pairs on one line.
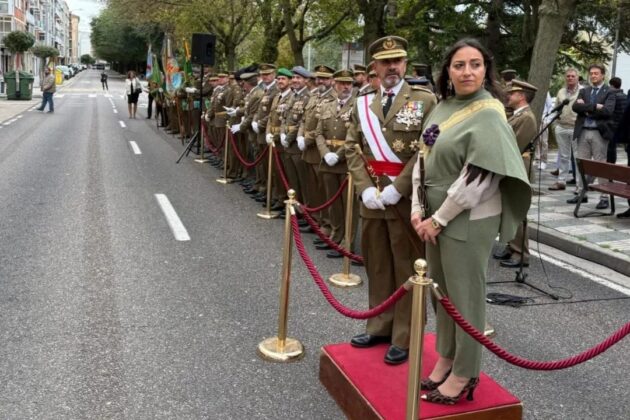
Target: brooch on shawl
[[429, 136]]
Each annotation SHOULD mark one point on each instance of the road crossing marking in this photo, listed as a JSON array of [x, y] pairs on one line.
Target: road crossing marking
[[115, 111], [61, 95], [122, 123], [135, 147], [174, 222], [92, 95]]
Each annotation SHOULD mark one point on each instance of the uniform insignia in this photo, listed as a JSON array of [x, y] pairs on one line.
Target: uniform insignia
[[411, 113], [415, 145], [398, 145], [389, 43], [346, 115]]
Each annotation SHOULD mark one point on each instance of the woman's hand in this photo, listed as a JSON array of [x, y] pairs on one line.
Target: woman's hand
[[425, 229]]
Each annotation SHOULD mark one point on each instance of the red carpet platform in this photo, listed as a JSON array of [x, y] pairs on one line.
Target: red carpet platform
[[366, 388]]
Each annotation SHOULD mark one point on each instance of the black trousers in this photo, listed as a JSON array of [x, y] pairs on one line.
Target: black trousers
[[150, 108]]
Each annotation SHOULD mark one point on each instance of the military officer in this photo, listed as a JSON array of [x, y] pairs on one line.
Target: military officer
[[216, 115], [315, 194], [421, 74], [330, 137], [234, 168], [385, 135], [295, 167], [274, 124], [523, 122], [360, 79], [259, 123], [373, 80]]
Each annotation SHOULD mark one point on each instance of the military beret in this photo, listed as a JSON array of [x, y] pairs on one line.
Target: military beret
[[419, 66], [417, 81], [344, 75], [388, 47], [266, 68], [358, 69], [519, 85], [251, 78], [284, 72], [301, 71], [324, 71], [508, 71]]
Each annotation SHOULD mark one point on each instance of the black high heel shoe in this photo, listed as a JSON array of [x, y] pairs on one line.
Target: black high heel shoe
[[437, 397], [429, 385]]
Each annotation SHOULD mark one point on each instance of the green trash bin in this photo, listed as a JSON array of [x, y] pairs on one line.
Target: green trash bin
[[25, 92]]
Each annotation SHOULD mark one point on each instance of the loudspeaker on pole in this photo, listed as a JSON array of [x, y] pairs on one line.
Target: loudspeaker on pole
[[203, 48]]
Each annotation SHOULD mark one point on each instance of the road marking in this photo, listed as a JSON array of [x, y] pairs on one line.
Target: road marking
[[174, 222], [92, 95], [115, 111], [61, 95], [135, 147], [107, 95], [10, 121], [19, 116], [122, 123]]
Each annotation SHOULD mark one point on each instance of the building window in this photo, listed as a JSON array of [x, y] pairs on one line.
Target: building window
[[4, 6]]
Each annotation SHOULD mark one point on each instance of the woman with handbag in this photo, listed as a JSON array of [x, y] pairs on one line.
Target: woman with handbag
[[133, 88], [475, 186]]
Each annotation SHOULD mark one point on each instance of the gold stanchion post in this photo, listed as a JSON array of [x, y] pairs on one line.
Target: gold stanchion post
[[267, 213], [283, 348], [226, 145], [420, 285], [345, 278]]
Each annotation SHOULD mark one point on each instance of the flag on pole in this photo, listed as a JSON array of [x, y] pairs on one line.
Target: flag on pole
[[156, 74], [149, 63], [171, 67]]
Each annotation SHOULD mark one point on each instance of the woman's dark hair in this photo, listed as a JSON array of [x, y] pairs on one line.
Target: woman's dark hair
[[129, 73], [490, 78]]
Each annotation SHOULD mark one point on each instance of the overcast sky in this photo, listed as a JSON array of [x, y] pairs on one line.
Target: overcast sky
[[86, 10]]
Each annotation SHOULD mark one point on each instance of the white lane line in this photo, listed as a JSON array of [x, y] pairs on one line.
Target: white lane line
[[135, 147], [122, 123], [115, 111], [19, 116], [61, 95], [92, 95], [174, 222], [10, 121]]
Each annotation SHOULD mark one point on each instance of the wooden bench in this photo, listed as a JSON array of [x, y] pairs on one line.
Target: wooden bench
[[618, 177]]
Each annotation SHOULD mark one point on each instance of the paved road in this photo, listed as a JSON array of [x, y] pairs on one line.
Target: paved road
[[105, 313]]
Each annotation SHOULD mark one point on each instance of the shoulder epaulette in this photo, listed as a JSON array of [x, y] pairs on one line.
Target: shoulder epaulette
[[422, 88], [366, 92]]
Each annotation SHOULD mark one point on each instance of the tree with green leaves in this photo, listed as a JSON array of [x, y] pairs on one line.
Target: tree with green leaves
[[87, 59], [44, 52], [18, 42], [118, 42]]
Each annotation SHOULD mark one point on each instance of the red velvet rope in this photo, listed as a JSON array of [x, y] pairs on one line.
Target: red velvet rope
[[329, 202], [215, 150], [529, 364], [350, 313], [280, 169], [330, 242], [241, 158]]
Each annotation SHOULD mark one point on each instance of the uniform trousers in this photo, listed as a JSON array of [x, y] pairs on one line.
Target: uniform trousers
[[590, 145], [337, 211], [262, 167], [563, 138], [279, 189], [291, 171], [389, 256], [459, 268], [218, 139], [234, 166]]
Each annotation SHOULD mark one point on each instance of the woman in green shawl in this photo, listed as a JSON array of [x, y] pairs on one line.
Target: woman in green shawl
[[475, 186]]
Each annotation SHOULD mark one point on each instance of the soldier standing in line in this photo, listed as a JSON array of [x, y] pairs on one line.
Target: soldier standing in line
[[315, 194], [216, 115], [421, 73], [274, 124], [360, 79], [259, 123], [519, 95], [234, 168], [331, 136], [382, 139], [246, 112], [294, 166], [373, 80]]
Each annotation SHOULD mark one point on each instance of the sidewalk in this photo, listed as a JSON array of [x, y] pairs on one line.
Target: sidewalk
[[602, 239]]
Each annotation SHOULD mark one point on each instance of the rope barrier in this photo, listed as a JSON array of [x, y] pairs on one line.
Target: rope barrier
[[241, 158], [330, 201], [343, 251], [321, 284], [280, 169], [530, 364], [214, 150]]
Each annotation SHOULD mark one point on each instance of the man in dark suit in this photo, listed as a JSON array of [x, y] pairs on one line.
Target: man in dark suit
[[622, 136], [615, 119], [594, 107]]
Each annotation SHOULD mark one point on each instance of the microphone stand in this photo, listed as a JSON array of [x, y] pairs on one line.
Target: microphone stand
[[521, 275]]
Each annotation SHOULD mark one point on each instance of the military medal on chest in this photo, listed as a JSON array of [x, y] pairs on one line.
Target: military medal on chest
[[411, 113]]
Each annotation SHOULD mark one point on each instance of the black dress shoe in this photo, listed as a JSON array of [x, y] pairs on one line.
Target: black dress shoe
[[318, 241], [322, 246], [356, 263], [368, 340], [502, 254], [624, 215], [261, 199], [575, 199], [513, 263], [334, 254], [302, 223], [603, 204], [571, 182], [395, 355], [306, 229], [277, 207], [250, 191]]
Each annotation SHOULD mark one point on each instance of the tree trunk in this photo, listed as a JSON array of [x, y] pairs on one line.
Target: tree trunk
[[553, 16], [230, 56], [296, 46], [493, 27], [374, 19]]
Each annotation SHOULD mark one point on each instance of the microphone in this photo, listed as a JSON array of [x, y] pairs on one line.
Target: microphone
[[559, 107]]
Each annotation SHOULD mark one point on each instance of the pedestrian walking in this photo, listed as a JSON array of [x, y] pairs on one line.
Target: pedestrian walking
[[133, 90], [48, 90], [104, 80]]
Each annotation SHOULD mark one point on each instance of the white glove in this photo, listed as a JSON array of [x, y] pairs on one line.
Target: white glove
[[235, 128], [301, 143], [160, 90], [269, 138], [283, 140], [230, 111], [255, 126], [390, 196], [370, 200], [331, 158], [206, 116]]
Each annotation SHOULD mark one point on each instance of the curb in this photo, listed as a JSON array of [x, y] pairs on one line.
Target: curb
[[581, 249]]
